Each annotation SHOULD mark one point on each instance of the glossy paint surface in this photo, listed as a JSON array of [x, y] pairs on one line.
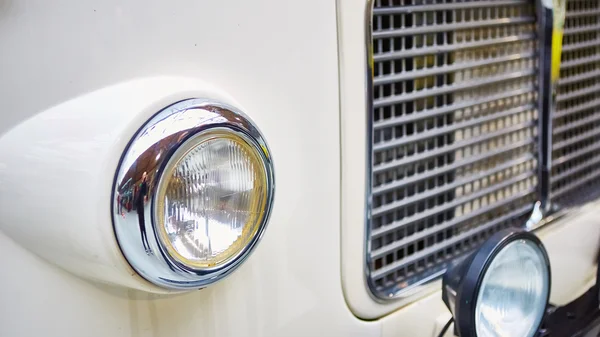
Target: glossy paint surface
[[78, 78]]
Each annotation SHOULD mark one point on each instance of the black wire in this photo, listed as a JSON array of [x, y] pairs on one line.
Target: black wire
[[445, 328]]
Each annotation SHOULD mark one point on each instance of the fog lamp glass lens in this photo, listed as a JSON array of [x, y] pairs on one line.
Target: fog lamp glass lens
[[212, 199], [513, 293]]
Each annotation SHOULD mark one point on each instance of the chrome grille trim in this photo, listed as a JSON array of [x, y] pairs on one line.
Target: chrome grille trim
[[448, 69], [575, 13], [459, 145], [444, 169], [579, 62], [451, 27], [436, 112], [581, 45], [454, 240], [451, 6], [452, 129], [378, 103], [576, 146], [446, 49]]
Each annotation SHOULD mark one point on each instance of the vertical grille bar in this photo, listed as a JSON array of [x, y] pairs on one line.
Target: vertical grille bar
[[453, 125], [576, 130]]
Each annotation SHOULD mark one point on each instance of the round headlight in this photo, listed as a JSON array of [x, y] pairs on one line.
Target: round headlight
[[502, 289], [193, 194], [211, 199]]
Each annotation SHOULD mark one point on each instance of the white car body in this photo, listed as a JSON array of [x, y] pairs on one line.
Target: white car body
[[79, 78]]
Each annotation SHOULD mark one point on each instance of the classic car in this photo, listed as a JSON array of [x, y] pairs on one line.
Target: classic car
[[372, 168]]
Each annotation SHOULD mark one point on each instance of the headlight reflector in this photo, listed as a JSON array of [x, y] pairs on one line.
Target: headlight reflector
[[211, 199], [193, 194]]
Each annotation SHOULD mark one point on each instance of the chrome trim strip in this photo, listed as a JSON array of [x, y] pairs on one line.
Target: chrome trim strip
[[444, 49], [381, 102], [546, 100], [147, 155], [452, 27], [443, 7], [453, 107], [372, 290], [444, 130], [386, 79]]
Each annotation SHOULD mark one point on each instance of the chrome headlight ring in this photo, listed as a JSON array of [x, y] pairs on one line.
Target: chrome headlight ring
[[146, 158]]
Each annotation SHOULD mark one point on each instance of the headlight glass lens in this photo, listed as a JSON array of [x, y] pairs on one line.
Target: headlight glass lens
[[513, 292], [212, 199]]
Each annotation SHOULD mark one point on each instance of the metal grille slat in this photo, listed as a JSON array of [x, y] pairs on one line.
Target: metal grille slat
[[444, 169], [450, 108], [577, 108], [379, 232], [578, 78], [452, 241], [579, 62], [447, 69], [440, 209], [575, 13], [575, 154], [463, 144], [581, 45], [583, 29], [577, 183], [578, 93], [577, 169], [425, 114], [450, 27], [458, 183], [409, 53], [451, 128], [433, 230], [577, 124], [451, 88], [557, 145], [453, 132], [444, 6]]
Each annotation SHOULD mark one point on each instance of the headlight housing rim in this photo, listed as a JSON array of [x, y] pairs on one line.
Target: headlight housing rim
[[158, 139]]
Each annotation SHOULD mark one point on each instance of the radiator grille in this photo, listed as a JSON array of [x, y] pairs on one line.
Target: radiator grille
[[576, 121], [453, 132]]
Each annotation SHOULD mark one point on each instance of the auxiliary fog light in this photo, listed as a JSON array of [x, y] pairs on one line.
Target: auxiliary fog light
[[193, 194], [502, 289]]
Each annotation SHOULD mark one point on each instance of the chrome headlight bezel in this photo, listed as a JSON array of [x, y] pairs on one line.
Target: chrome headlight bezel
[[150, 151]]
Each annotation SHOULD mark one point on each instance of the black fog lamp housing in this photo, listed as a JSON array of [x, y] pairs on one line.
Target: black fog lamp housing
[[502, 289]]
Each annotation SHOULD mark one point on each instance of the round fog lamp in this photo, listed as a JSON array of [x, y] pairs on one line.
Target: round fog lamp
[[193, 194], [502, 289]]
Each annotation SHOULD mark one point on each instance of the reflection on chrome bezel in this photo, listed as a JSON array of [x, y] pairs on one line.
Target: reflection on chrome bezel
[[151, 149]]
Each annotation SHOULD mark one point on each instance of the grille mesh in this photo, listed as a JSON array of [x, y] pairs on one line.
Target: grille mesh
[[576, 122], [453, 131]]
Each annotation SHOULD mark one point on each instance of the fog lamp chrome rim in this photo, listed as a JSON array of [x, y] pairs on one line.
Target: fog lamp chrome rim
[[149, 158], [463, 282]]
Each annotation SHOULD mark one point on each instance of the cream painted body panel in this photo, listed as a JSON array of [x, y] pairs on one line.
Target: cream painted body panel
[[73, 71]]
